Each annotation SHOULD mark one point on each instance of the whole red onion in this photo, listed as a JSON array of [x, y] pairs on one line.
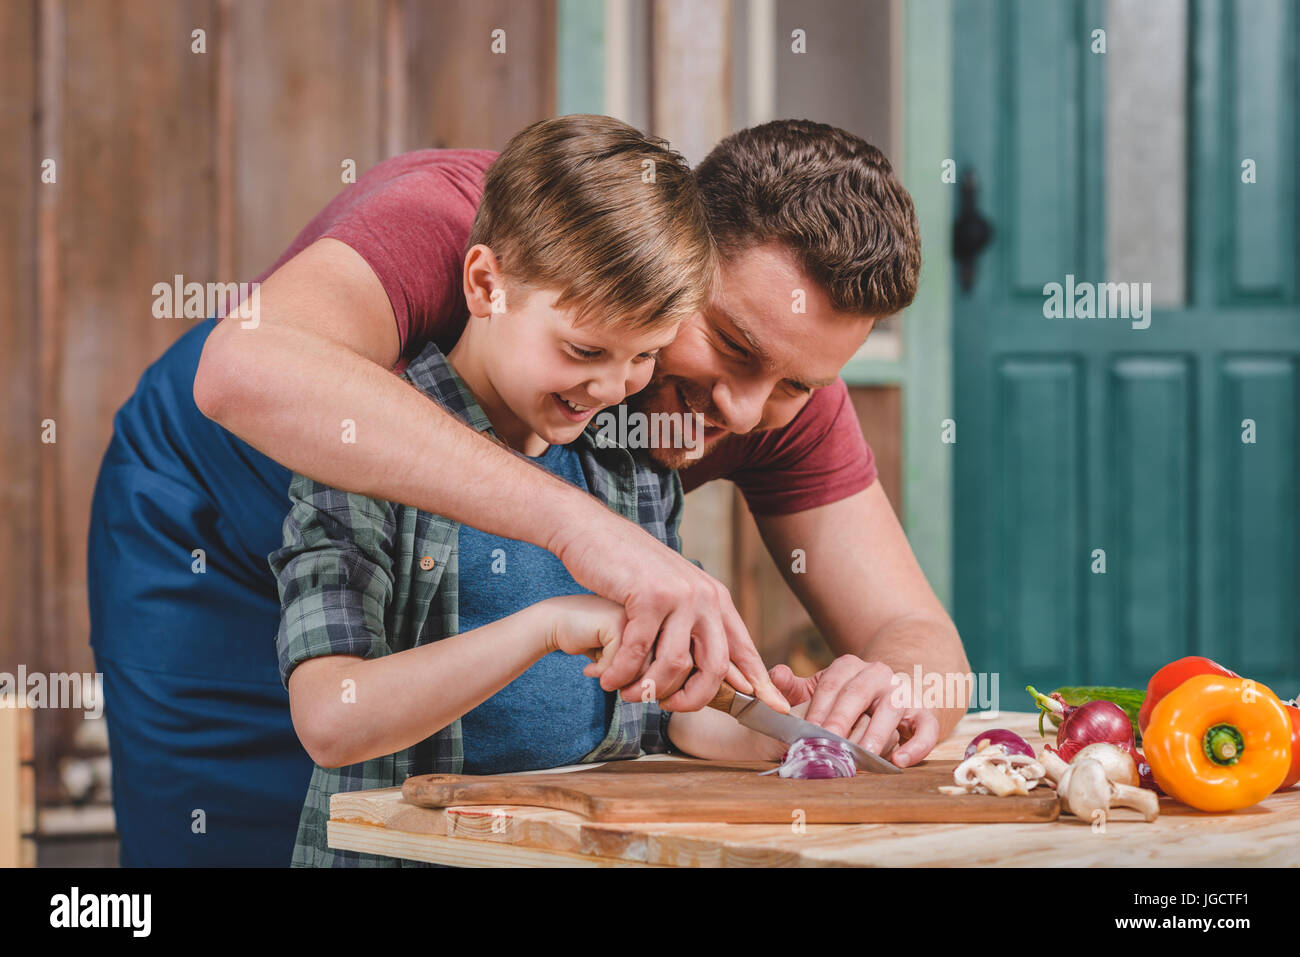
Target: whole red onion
[[1096, 721]]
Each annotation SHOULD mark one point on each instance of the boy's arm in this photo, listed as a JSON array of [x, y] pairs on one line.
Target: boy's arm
[[347, 710], [716, 736], [351, 698]]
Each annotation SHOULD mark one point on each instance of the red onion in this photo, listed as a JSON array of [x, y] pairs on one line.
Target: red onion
[[1144, 772], [1013, 742], [1096, 721], [817, 758]]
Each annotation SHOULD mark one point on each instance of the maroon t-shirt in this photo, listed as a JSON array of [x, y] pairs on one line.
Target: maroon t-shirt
[[409, 217]]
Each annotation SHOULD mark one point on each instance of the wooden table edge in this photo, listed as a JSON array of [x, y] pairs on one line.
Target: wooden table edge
[[460, 851]]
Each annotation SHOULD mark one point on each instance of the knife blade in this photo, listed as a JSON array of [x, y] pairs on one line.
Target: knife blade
[[789, 728]]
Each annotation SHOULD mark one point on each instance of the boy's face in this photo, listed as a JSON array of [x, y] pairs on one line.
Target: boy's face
[[752, 360], [552, 375]]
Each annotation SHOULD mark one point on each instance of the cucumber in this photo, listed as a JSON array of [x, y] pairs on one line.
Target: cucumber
[[1129, 699]]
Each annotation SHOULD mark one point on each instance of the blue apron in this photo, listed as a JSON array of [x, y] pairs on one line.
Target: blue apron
[[207, 769]]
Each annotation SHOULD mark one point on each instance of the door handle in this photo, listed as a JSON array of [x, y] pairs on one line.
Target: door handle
[[971, 233]]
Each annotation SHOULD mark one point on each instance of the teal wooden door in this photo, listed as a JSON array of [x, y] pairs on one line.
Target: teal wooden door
[[1171, 453]]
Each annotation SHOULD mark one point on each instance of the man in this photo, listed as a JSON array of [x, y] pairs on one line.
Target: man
[[802, 212]]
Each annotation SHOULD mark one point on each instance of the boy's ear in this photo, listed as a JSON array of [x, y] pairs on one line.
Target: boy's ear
[[482, 276]]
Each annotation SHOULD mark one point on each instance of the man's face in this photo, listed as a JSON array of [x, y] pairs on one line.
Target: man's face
[[751, 361]]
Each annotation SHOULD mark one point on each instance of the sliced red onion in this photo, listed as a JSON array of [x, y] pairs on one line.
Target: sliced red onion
[[817, 758]]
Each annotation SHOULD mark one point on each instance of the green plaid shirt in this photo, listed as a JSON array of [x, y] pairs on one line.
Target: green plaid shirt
[[351, 584]]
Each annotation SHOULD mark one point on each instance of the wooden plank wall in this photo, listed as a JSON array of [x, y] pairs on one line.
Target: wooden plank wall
[[200, 163], [20, 409]]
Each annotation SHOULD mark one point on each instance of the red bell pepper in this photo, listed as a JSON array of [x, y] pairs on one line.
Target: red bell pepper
[[1171, 676], [1294, 776]]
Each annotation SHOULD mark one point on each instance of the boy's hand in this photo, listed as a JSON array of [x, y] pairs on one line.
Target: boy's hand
[[584, 625]]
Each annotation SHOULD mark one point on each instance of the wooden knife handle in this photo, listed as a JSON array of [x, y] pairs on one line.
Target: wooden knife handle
[[722, 700]]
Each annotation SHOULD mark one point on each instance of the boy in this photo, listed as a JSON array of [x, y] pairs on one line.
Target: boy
[[412, 645]]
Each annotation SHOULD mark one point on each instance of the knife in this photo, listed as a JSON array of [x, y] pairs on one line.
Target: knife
[[789, 728]]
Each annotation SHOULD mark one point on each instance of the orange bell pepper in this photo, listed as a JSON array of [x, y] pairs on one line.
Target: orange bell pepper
[[1218, 743]]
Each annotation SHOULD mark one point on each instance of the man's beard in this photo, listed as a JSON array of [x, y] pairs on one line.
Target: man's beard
[[681, 458], [677, 395]]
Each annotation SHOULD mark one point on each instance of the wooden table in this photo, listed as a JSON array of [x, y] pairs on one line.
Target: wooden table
[[380, 822]]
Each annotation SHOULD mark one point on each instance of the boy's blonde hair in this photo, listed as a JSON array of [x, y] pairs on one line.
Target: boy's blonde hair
[[607, 215]]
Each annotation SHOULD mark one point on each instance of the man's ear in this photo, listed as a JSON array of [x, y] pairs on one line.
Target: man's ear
[[482, 277]]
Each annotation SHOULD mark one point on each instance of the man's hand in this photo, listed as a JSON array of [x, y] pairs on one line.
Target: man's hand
[[866, 703], [701, 637]]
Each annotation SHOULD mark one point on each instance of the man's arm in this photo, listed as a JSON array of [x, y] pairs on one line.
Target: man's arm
[[322, 351], [868, 596]]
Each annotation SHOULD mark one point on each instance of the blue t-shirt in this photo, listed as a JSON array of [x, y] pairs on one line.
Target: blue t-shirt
[[552, 714]]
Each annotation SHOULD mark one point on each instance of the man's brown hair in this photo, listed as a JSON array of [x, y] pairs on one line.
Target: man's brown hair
[[609, 216], [829, 196]]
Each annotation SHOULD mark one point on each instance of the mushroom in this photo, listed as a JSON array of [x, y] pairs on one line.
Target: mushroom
[[992, 770], [1120, 766], [1054, 766], [1085, 788]]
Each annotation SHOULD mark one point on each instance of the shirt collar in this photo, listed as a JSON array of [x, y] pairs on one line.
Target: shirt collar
[[432, 374]]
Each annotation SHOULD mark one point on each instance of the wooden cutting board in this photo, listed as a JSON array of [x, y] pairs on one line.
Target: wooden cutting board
[[734, 793]]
